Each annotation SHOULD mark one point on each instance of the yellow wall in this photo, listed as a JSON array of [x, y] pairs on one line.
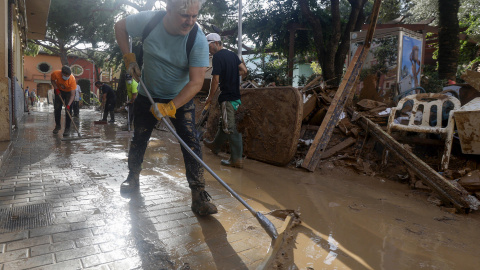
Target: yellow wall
[[4, 95]]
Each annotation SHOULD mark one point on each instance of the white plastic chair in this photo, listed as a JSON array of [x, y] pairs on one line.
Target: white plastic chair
[[419, 121]]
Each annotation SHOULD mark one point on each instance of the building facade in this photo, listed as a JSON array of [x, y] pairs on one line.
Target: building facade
[[20, 20], [38, 69]]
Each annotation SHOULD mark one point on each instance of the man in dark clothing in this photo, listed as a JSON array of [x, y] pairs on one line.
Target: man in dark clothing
[[108, 101], [227, 69]]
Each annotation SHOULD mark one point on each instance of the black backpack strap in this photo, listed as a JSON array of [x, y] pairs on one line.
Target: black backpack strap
[[156, 19], [191, 39]]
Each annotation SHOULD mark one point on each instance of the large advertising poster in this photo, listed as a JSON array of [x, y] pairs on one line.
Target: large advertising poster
[[411, 63], [378, 77]]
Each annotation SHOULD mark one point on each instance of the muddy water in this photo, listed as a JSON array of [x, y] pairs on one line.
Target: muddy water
[[357, 222], [348, 221]]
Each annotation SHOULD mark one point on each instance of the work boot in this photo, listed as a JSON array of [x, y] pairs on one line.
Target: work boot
[[112, 117], [236, 151], [211, 145], [236, 164], [201, 204], [217, 142], [57, 129], [66, 132], [132, 183]]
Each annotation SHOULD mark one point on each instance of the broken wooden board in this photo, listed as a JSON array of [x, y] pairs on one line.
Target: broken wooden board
[[341, 96], [270, 121], [309, 105], [339, 147], [449, 194], [472, 78]]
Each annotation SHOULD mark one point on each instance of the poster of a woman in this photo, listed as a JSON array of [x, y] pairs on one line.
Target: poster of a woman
[[411, 63]]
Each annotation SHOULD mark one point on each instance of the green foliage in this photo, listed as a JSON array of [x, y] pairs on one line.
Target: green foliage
[[469, 16], [85, 87], [422, 10], [32, 49], [389, 10], [267, 24], [220, 13], [304, 80], [317, 69], [271, 69], [431, 81], [86, 22], [468, 56], [385, 54]]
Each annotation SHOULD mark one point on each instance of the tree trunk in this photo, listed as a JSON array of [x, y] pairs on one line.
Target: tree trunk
[[331, 55], [355, 22], [448, 43], [317, 33]]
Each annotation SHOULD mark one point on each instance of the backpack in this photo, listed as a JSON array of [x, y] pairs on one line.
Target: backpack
[[157, 18]]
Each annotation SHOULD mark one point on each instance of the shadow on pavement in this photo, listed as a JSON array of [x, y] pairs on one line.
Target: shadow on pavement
[[224, 256], [151, 250]]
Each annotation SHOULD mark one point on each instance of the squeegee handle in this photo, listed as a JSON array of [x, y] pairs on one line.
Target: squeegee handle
[[157, 112]]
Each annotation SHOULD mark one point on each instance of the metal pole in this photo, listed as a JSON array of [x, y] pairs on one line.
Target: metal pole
[[240, 33], [266, 224], [239, 29]]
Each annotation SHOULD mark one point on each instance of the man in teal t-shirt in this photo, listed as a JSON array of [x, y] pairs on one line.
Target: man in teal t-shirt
[[172, 79]]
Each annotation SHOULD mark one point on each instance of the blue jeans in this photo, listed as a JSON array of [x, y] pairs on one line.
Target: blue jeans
[[184, 123]]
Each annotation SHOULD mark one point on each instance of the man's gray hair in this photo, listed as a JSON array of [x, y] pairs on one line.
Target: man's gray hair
[[183, 5]]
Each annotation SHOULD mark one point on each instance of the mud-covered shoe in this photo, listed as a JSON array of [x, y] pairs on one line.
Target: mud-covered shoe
[[201, 204], [56, 130], [211, 145], [236, 164], [66, 132], [132, 183]]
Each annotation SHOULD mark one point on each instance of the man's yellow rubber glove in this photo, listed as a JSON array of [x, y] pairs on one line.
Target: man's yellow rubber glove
[[166, 109], [131, 65]]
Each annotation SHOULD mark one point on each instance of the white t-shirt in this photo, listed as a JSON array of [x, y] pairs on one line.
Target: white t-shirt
[[77, 93]]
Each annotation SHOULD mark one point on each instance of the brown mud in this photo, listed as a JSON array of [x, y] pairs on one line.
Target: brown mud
[[350, 221]]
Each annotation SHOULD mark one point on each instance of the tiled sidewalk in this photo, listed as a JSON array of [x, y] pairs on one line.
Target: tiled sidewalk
[[75, 189]]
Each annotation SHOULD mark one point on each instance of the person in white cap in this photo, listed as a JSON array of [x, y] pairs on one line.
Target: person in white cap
[[227, 69]]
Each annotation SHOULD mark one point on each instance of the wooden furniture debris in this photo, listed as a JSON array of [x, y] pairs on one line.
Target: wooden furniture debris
[[249, 84], [420, 119], [269, 119], [311, 84], [468, 126], [310, 104], [472, 78], [471, 181], [456, 196], [339, 147], [344, 91], [307, 127]]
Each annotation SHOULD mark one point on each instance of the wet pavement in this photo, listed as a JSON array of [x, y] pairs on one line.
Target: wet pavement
[[61, 208]]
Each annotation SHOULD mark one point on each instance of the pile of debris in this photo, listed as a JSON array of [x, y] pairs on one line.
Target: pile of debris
[[364, 135], [347, 142], [317, 123]]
